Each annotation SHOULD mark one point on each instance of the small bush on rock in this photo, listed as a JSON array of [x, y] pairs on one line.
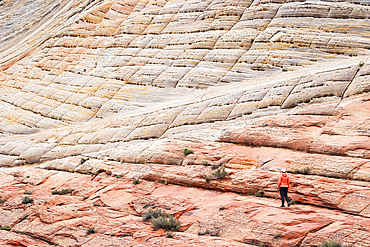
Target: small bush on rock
[[27, 200], [2, 201], [201, 233], [207, 178], [170, 235], [62, 192], [151, 214], [90, 230], [5, 228], [330, 244], [188, 151], [259, 193], [136, 181], [168, 223], [220, 173], [28, 192]]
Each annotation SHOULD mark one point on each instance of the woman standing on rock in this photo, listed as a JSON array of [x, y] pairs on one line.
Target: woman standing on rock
[[283, 185]]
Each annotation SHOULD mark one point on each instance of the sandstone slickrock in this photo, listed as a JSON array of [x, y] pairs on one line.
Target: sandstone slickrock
[[118, 89]]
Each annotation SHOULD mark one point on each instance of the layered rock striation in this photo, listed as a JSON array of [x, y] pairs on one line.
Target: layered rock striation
[[118, 90]]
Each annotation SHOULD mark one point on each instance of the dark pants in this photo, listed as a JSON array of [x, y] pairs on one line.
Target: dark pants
[[284, 194]]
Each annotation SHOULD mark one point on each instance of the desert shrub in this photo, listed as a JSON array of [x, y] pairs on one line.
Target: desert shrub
[[6, 228], [220, 173], [62, 192], [214, 166], [259, 193], [136, 181], [188, 151], [222, 208], [292, 202], [166, 222], [361, 63], [27, 192], [330, 243], [15, 175], [207, 178], [277, 235], [151, 214], [27, 200], [170, 235], [118, 176], [201, 233], [2, 201], [205, 163], [90, 230]]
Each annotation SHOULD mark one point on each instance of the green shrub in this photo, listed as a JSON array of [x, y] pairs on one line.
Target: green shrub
[[205, 163], [62, 192], [207, 178], [330, 244], [2, 201], [170, 235], [27, 200], [222, 208], [220, 173], [90, 230], [277, 235], [147, 205], [136, 181], [292, 202], [214, 166], [28, 192], [201, 233], [151, 214], [6, 228], [188, 151], [118, 176], [15, 175], [259, 193], [361, 63], [168, 223]]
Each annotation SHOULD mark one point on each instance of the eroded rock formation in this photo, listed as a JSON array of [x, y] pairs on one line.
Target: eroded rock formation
[[96, 93]]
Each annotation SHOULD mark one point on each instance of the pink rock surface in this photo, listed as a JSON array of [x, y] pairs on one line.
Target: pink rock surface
[[113, 206]]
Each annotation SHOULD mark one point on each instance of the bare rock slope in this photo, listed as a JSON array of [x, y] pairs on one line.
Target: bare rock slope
[[95, 94]]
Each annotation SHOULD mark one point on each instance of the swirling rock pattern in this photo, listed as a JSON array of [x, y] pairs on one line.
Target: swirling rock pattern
[[251, 85]]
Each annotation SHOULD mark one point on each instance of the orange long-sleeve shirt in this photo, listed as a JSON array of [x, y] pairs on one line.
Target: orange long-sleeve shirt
[[283, 181]]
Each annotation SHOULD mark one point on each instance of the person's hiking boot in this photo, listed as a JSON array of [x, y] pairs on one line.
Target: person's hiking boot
[[288, 204], [282, 206]]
